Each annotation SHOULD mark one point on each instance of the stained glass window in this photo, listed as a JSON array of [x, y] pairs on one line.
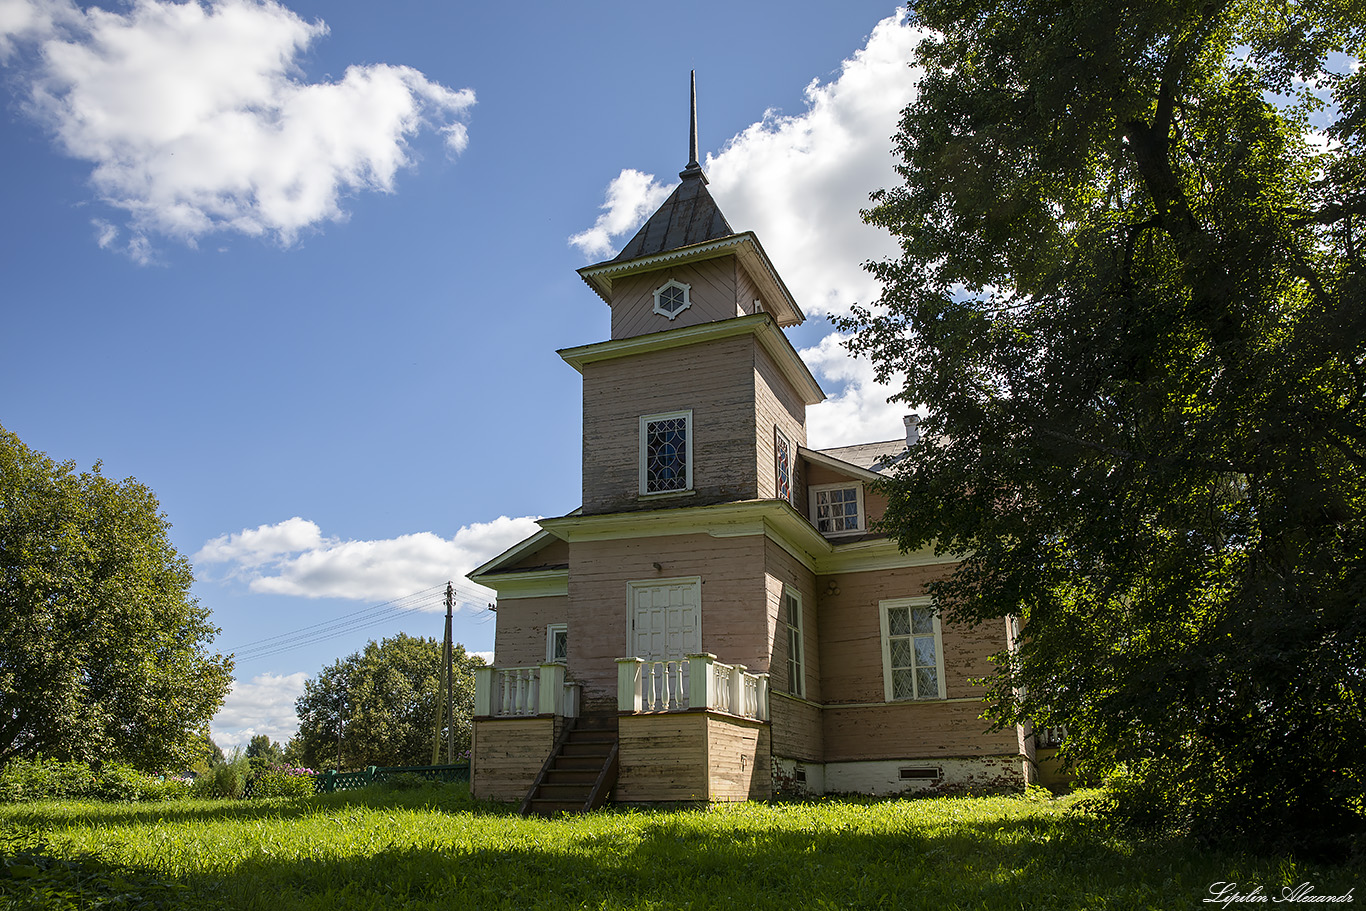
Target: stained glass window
[[782, 450], [665, 453]]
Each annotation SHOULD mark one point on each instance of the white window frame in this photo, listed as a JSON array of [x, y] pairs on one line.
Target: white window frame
[[780, 441], [644, 460], [843, 485], [796, 658], [687, 298], [551, 630], [887, 689]]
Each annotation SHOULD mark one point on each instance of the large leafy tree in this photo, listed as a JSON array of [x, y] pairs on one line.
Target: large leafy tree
[[103, 651], [382, 700], [1130, 295]]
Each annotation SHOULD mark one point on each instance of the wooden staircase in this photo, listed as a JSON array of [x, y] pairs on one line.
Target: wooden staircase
[[580, 771]]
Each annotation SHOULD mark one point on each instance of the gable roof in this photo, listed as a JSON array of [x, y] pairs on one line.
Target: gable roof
[[874, 458]]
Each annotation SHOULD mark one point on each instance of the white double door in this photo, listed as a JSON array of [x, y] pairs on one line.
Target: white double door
[[666, 619]]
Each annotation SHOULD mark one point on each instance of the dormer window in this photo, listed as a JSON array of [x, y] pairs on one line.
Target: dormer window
[[672, 298], [837, 509]]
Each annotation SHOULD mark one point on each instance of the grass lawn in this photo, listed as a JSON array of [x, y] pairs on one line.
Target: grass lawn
[[433, 848]]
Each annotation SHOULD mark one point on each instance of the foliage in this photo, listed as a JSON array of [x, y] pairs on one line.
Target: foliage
[[263, 753], [224, 781], [102, 647], [32, 879], [284, 781], [50, 779], [1130, 292], [384, 699], [434, 848]]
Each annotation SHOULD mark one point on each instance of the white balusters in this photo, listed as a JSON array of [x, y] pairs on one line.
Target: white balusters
[[698, 681]]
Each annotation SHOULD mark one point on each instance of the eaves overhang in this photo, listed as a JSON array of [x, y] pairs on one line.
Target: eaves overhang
[[744, 245], [774, 518], [760, 325], [820, 458], [542, 583]]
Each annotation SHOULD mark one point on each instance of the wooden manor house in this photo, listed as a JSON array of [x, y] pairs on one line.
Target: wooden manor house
[[716, 622]]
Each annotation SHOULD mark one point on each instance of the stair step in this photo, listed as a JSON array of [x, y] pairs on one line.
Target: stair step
[[571, 791], [592, 736], [576, 763], [586, 776], [593, 748]]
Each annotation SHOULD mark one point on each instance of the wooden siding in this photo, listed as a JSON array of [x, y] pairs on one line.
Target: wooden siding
[[712, 296], [776, 404], [738, 761], [797, 730], [553, 552], [519, 633], [714, 379], [912, 730], [851, 637], [662, 757], [507, 754], [691, 756], [735, 625], [747, 292]]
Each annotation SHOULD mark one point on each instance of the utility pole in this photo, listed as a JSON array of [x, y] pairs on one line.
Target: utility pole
[[445, 698]]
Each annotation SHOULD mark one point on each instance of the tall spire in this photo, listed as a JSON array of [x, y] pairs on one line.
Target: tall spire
[[694, 168]]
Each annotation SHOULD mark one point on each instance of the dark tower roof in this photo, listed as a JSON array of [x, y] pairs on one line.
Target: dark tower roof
[[689, 216]]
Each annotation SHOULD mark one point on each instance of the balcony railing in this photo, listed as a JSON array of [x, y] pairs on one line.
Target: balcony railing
[[524, 692], [697, 681]]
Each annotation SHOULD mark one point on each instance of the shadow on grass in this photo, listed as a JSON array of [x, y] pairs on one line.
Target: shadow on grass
[[57, 814], [723, 859]]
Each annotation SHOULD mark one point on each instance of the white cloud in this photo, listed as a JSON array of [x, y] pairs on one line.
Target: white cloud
[[859, 411], [294, 558], [263, 706], [196, 120], [631, 196]]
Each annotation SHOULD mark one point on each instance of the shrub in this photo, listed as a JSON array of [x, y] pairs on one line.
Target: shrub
[[284, 782], [48, 779], [225, 781]]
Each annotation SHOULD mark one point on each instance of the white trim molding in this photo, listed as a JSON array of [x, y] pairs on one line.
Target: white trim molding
[[645, 421], [911, 606], [662, 291]]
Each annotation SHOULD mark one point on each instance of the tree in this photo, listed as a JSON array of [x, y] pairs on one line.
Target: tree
[[262, 753], [383, 701], [103, 651], [1130, 294]]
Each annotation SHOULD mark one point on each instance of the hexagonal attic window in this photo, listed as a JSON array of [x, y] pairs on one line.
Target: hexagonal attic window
[[672, 298]]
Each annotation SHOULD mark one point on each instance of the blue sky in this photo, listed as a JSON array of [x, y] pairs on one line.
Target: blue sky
[[303, 269]]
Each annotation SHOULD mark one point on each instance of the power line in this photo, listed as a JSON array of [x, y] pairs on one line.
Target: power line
[[423, 601]]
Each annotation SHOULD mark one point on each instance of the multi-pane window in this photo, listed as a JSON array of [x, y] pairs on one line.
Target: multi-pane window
[[837, 508], [796, 666], [912, 651], [671, 298], [666, 452], [782, 456], [557, 642]]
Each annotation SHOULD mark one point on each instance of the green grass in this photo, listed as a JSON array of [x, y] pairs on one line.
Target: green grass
[[433, 848]]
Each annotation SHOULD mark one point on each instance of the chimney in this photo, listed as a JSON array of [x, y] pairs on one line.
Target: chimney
[[912, 422]]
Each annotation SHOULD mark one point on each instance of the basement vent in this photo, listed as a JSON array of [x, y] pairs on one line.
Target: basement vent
[[921, 774], [800, 774]]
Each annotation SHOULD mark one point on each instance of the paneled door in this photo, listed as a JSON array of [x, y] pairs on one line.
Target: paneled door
[[666, 619]]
